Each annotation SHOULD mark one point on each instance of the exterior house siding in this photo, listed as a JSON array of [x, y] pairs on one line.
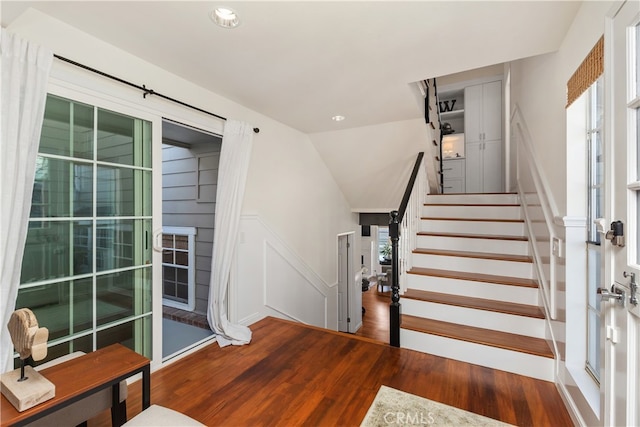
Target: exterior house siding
[[189, 184]]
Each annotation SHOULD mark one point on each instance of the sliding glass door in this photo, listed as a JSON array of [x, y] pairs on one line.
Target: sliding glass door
[[87, 269]]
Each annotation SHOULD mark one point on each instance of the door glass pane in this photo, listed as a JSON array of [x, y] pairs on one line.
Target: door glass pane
[[135, 335], [123, 294], [65, 308], [123, 192], [122, 243], [637, 51], [123, 139], [62, 188], [57, 249], [67, 129]]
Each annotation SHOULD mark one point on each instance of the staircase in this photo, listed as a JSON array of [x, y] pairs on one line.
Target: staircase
[[470, 292]]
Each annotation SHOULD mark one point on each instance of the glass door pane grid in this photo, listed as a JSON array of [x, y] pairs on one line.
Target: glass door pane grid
[[52, 149]]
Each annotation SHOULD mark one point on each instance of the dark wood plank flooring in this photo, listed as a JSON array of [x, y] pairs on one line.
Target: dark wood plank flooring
[[375, 321], [296, 375]]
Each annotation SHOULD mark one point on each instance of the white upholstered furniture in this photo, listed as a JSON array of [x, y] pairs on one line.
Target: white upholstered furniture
[[159, 416]]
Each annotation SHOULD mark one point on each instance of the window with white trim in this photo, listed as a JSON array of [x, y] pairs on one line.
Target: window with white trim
[[178, 267]]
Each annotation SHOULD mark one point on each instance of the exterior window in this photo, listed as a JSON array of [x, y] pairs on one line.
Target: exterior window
[[178, 267], [384, 244], [87, 269], [595, 206]]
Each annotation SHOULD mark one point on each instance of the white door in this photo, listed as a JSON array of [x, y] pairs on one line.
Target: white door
[[620, 377], [343, 282]]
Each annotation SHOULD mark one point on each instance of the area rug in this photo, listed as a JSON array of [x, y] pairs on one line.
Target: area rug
[[393, 407]]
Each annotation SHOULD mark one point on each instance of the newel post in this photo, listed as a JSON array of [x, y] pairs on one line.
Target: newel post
[[394, 308]]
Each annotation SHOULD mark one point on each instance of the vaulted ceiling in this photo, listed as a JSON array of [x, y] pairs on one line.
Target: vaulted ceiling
[[302, 62]]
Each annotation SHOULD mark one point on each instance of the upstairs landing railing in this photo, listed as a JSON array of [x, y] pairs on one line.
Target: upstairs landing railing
[[403, 229]]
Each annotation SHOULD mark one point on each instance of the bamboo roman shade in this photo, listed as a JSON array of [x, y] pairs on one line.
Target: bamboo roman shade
[[587, 73]]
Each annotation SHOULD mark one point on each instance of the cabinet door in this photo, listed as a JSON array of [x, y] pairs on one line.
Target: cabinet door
[[473, 113], [473, 169], [453, 185], [492, 166], [492, 111]]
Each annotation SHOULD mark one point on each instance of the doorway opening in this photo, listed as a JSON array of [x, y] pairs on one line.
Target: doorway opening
[[190, 159]]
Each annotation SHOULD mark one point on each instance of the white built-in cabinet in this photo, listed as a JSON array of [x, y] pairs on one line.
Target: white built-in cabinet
[[483, 137], [453, 171]]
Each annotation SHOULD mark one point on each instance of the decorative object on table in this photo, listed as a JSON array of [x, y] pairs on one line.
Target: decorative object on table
[[25, 387]]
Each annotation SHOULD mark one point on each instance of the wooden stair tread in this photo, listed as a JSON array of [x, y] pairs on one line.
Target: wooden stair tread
[[498, 339], [432, 218], [480, 255], [475, 277], [470, 194], [508, 205], [473, 236], [524, 310]]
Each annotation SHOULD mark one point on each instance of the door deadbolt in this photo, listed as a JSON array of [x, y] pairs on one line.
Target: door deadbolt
[[615, 232], [615, 293]]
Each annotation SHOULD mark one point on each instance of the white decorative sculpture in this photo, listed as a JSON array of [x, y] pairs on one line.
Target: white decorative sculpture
[[29, 339]]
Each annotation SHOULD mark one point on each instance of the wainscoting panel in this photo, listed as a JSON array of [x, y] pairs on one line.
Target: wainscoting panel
[[270, 279]]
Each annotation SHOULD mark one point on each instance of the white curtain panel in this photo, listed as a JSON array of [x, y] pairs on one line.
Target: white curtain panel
[[25, 73], [232, 176]]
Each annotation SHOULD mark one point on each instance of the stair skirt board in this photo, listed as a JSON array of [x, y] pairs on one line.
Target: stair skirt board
[[479, 354], [514, 324], [479, 198], [474, 265], [495, 246], [472, 211], [485, 226], [495, 291]]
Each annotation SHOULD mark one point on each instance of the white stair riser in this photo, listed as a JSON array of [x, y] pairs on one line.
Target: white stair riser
[[513, 324], [474, 265], [505, 360], [479, 227], [494, 246], [507, 293], [473, 199], [492, 212]]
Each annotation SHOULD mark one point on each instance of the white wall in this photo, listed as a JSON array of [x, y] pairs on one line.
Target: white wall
[[288, 186], [539, 89], [372, 164]]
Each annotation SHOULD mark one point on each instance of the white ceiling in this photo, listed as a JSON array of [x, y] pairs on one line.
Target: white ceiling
[[302, 62]]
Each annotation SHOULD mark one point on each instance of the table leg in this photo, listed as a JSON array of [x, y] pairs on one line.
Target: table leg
[[118, 416], [146, 387]]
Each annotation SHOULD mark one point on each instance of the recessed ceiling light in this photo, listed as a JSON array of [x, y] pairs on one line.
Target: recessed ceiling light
[[225, 17], [338, 118]]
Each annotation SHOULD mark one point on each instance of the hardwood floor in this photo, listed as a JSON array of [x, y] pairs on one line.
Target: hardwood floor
[[294, 375], [375, 321]]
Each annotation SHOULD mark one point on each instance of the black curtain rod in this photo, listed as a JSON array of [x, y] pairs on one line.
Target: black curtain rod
[[143, 88]]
